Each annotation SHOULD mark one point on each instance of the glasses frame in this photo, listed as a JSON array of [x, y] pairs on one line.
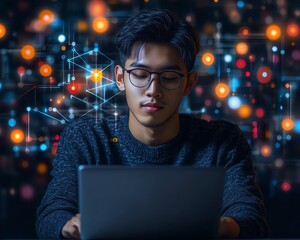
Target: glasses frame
[[150, 81]]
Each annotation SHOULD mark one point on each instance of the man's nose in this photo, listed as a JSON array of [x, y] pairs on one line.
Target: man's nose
[[154, 88]]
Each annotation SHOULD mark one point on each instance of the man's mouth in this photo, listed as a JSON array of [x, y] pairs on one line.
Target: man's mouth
[[152, 106]]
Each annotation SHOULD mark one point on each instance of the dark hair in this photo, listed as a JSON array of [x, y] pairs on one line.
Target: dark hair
[[158, 26]]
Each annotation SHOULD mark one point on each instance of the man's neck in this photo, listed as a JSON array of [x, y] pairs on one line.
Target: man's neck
[[154, 135]]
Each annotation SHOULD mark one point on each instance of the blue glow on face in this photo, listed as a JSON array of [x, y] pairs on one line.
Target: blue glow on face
[[297, 126], [43, 147], [61, 38], [234, 102], [234, 84], [227, 58], [12, 122]]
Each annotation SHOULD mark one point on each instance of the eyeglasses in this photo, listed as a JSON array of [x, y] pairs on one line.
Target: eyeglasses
[[140, 78]]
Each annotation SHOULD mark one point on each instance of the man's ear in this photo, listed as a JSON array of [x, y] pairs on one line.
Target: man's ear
[[192, 80], [119, 75]]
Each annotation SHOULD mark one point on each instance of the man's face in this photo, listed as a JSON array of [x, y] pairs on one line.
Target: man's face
[[153, 105]]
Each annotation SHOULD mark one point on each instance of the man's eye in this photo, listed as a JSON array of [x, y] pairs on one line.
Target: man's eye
[[139, 74]]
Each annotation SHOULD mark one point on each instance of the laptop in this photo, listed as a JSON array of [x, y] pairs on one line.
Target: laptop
[[122, 202]]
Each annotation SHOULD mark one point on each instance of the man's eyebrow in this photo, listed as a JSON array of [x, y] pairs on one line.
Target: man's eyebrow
[[168, 67]]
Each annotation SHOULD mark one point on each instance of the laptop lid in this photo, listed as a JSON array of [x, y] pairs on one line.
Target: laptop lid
[[150, 202]]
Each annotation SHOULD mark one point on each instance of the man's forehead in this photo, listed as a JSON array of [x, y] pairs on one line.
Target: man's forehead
[[160, 53]]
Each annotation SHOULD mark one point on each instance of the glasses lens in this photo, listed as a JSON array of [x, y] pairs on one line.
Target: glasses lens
[[139, 77], [170, 80]]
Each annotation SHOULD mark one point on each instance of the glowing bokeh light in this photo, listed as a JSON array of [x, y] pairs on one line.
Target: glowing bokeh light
[[208, 58], [279, 163], [244, 111], [234, 102], [286, 186], [42, 168], [46, 16], [2, 30], [12, 122], [17, 136], [61, 38], [27, 192], [292, 30], [74, 88], [45, 70], [228, 58], [100, 25], [21, 71], [96, 75], [27, 52], [97, 8], [242, 48], [264, 74], [241, 63], [297, 126], [287, 124], [273, 32], [260, 112], [54, 148], [244, 31], [222, 90], [82, 26], [234, 84], [266, 150]]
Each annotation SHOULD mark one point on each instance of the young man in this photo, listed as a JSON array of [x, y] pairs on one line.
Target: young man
[[157, 54]]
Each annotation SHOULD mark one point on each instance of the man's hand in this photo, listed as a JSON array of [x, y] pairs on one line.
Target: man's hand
[[228, 228], [72, 228]]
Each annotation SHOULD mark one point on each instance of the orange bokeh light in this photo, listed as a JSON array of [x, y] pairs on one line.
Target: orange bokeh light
[[17, 136], [42, 168], [28, 52], [208, 59], [242, 48], [244, 111], [82, 26], [46, 16], [100, 25], [266, 150], [292, 30], [97, 8], [96, 75], [287, 124], [45, 70], [273, 32], [222, 90], [2, 30]]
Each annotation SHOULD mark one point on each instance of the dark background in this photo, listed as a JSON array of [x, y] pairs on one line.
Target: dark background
[[25, 166]]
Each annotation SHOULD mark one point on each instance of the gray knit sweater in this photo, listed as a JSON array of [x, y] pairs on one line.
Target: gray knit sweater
[[199, 143]]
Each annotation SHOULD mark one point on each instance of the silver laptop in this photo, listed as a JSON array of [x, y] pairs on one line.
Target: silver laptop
[[121, 202]]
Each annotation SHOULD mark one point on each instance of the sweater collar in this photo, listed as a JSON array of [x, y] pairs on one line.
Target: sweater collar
[[162, 153]]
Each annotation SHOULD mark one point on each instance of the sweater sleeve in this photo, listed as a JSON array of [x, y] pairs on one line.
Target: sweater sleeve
[[60, 202], [242, 199]]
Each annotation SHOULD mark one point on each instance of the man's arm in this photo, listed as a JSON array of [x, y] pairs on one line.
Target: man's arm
[[60, 202], [242, 200]]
